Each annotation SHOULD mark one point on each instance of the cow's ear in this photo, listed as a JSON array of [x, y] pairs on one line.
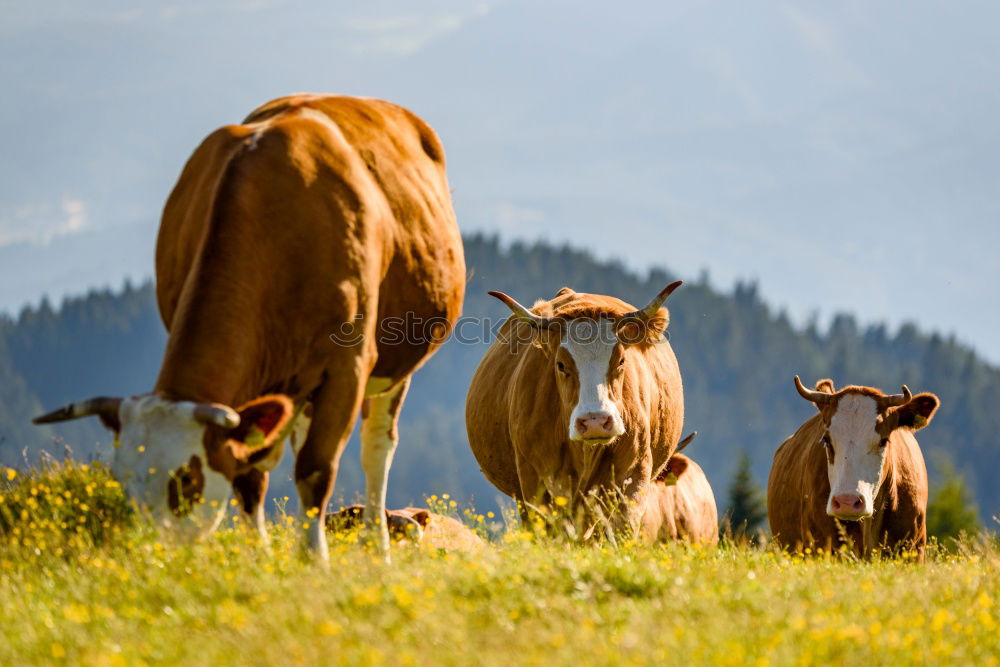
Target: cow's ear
[[563, 291], [644, 330], [423, 517], [656, 326], [262, 424], [676, 466], [918, 412], [826, 386]]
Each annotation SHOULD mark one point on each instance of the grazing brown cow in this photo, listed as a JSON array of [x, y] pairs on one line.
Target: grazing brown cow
[[680, 504], [417, 525], [581, 393], [853, 472], [286, 246]]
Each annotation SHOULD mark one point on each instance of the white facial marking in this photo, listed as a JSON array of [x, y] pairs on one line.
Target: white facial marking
[[591, 344], [157, 438], [858, 458]]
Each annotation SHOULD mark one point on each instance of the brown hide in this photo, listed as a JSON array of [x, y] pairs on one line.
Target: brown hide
[[318, 215], [683, 510], [437, 531], [444, 532], [518, 427], [799, 486], [282, 230]]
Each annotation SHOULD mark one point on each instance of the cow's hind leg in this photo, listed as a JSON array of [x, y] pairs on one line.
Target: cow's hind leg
[[251, 490], [335, 407], [379, 437]]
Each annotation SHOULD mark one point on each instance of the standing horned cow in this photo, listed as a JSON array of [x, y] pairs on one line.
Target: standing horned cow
[[856, 462], [580, 394]]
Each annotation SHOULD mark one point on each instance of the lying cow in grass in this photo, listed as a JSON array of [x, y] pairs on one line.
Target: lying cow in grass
[[680, 504], [415, 525], [854, 472]]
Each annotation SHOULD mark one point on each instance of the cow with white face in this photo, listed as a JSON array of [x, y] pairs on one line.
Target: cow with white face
[[579, 394], [856, 462], [181, 460]]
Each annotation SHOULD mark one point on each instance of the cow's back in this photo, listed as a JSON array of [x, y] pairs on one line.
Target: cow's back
[[448, 533], [682, 511], [318, 215]]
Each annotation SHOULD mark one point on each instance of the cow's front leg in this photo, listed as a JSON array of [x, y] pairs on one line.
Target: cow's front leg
[[534, 499], [379, 437], [251, 490]]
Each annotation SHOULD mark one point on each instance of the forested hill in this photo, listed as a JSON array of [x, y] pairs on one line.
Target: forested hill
[[737, 357]]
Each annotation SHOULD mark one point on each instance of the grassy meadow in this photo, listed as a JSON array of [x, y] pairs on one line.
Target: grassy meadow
[[83, 582]]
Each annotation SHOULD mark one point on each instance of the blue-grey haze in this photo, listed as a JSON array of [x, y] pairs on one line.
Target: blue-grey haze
[[846, 155]]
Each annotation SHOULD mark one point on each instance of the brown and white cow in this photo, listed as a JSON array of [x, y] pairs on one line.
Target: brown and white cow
[[853, 472], [416, 525], [680, 504], [287, 244], [579, 394]]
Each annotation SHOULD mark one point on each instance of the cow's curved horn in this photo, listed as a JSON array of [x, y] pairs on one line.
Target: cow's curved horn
[[99, 405], [523, 313], [897, 399], [650, 308], [219, 415], [685, 442], [817, 397]]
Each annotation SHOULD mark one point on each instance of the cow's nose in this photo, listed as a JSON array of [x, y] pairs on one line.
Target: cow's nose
[[848, 503], [595, 425]]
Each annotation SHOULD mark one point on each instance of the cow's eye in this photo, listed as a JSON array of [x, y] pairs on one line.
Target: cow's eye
[[883, 442], [828, 448], [561, 367]]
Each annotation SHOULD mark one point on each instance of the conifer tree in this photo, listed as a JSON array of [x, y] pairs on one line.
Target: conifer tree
[[746, 510], [951, 510]]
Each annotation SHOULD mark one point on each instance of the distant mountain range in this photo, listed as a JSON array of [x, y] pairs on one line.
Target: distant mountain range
[[832, 151], [737, 357]]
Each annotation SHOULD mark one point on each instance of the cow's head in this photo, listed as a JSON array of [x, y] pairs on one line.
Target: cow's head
[[177, 459], [858, 424], [589, 354], [404, 525]]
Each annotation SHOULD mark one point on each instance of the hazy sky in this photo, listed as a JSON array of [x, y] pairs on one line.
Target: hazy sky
[[846, 155]]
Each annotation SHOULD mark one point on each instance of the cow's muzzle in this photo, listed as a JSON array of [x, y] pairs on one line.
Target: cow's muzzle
[[849, 506], [598, 427]]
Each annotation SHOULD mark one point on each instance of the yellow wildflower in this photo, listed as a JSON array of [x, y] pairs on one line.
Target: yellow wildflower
[[329, 628]]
